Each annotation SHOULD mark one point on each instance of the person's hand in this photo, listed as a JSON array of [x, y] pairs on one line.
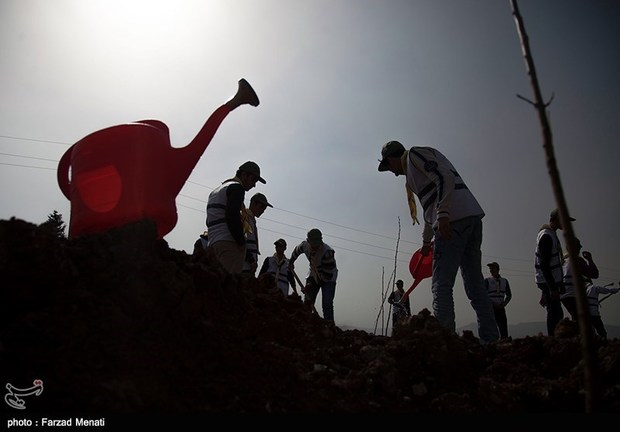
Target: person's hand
[[543, 300], [561, 288], [425, 249], [445, 230]]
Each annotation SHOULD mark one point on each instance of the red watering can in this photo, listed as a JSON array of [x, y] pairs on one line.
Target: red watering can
[[130, 172], [420, 267]]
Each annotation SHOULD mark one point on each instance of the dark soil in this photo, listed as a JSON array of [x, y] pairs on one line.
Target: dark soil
[[121, 323]]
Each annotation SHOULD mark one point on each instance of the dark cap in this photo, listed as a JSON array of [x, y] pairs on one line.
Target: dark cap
[[315, 236], [493, 264], [280, 242], [391, 148], [252, 168], [555, 214], [399, 283], [259, 197]]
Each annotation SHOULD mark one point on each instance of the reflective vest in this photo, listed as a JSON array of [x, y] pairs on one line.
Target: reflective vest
[[279, 268], [556, 257], [497, 292], [322, 261], [216, 214]]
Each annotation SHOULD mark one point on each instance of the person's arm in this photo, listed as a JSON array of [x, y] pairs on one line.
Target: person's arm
[[508, 293], [606, 290], [298, 250], [590, 268], [264, 267], [291, 281], [427, 238], [545, 248], [235, 195]]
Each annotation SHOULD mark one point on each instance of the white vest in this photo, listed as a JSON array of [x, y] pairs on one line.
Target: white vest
[[321, 269], [216, 214], [497, 292], [556, 258], [280, 271]]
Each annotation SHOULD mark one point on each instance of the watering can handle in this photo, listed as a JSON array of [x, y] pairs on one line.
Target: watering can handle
[[63, 173]]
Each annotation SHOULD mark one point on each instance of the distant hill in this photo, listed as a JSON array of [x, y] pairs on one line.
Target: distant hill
[[522, 330]]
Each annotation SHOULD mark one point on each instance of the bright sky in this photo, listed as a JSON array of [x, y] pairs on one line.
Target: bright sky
[[336, 80]]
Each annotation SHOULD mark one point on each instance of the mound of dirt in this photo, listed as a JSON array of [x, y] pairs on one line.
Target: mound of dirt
[[120, 323]]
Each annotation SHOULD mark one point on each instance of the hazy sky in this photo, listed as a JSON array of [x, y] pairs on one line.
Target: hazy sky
[[336, 80]]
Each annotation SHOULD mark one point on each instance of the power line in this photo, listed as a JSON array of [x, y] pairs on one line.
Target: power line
[[32, 139], [28, 157], [271, 220]]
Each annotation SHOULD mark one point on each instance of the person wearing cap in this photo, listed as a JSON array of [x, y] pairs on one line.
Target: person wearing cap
[[549, 277], [400, 309], [500, 295], [588, 271], [258, 205], [277, 265], [322, 272], [592, 292], [227, 229], [453, 220]]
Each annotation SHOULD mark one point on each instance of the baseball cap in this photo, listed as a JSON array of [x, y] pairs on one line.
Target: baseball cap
[[280, 242], [259, 197], [390, 148], [493, 264], [555, 214], [399, 282], [315, 236], [252, 168]]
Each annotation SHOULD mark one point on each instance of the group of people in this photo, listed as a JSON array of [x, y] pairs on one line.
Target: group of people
[[232, 239], [452, 219], [453, 224], [232, 234], [555, 278]]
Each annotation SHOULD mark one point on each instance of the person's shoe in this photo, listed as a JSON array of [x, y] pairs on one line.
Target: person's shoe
[[245, 95]]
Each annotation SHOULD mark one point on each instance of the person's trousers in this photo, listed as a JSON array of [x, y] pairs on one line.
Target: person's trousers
[[502, 321], [555, 313], [599, 327], [328, 292], [230, 255], [462, 252]]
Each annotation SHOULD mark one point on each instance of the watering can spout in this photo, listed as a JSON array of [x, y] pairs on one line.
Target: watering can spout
[[130, 172], [245, 95], [187, 157]]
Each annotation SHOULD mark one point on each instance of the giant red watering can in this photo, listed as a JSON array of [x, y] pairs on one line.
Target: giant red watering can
[[130, 172], [420, 267]]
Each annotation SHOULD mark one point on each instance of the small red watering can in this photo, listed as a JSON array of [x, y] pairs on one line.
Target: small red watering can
[[131, 172], [420, 267]]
